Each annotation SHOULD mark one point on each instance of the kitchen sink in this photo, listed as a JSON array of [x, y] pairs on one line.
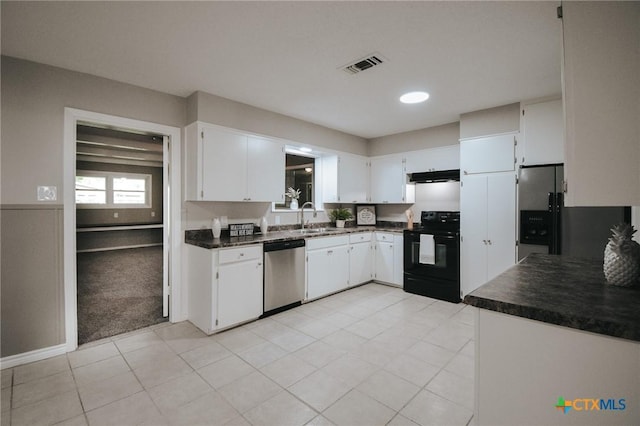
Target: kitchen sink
[[310, 231]]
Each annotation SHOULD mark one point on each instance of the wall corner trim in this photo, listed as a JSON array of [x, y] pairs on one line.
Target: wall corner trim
[[31, 356]]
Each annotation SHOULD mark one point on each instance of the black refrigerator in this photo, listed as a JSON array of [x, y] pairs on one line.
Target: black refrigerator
[[546, 226]]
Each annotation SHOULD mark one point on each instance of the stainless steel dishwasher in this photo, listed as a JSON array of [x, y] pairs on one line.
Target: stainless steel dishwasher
[[284, 265]]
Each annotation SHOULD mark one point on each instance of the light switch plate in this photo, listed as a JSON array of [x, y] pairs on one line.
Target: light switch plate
[[47, 193]]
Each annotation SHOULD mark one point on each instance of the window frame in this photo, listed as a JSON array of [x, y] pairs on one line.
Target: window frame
[[109, 191]]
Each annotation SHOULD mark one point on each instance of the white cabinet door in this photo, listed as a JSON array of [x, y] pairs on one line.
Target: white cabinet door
[[489, 154], [327, 271], [200, 275], [601, 94], [265, 169], [433, 159], [240, 292], [473, 230], [384, 261], [329, 174], [389, 181], [227, 165], [543, 132], [223, 165], [501, 223], [360, 263], [353, 179], [398, 259], [487, 227]]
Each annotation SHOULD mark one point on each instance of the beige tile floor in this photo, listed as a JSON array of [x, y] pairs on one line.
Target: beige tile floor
[[372, 355]]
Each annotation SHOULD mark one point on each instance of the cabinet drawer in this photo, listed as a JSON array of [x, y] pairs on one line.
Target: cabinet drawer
[[360, 237], [324, 242], [384, 236], [240, 254]]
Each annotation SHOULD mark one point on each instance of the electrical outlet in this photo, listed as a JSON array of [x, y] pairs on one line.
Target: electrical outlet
[[115, 215], [47, 193], [153, 214], [277, 221]]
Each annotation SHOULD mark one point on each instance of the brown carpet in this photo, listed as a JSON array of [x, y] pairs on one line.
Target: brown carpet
[[118, 291]]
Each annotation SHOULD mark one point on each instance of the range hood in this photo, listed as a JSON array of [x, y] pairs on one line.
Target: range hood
[[437, 176]]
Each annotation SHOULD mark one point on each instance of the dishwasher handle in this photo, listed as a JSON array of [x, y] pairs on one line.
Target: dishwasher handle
[[283, 245]]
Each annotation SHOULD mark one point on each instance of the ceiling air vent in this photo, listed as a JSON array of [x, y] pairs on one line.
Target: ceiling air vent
[[364, 64]]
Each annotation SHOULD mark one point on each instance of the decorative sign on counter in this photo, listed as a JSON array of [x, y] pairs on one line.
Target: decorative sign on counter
[[366, 215], [240, 229]]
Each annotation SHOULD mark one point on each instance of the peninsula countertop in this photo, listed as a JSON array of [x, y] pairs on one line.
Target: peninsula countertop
[[565, 291], [204, 237]]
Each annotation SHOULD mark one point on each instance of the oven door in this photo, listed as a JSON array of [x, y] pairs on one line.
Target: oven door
[[446, 265]]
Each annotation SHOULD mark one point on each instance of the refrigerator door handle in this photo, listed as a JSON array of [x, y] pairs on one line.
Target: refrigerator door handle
[[558, 216], [553, 212], [555, 209]]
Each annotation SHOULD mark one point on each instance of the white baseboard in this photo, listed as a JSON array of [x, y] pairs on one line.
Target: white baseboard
[[37, 355]]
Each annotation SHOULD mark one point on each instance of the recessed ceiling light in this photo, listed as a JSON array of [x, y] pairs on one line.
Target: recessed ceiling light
[[414, 97]]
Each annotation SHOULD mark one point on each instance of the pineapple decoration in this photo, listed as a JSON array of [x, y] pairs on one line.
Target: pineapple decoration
[[622, 257]]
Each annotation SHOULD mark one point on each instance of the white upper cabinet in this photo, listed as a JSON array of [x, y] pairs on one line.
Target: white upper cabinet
[[601, 92], [224, 165], [429, 160], [388, 179], [345, 179], [228, 165], [488, 154], [265, 169], [543, 133], [353, 179]]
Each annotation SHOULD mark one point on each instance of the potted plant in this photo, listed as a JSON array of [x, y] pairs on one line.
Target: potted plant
[[294, 194], [340, 215]]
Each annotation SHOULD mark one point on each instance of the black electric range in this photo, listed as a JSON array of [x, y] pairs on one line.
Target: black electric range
[[432, 256]]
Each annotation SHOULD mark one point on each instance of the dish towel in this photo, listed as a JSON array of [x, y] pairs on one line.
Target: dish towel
[[427, 250]]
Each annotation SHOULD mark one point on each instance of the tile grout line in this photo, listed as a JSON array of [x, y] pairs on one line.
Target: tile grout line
[[77, 388]]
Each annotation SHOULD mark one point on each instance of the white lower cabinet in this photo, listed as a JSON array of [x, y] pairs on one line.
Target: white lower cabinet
[[225, 286], [388, 258], [327, 265], [398, 259], [360, 258], [240, 290]]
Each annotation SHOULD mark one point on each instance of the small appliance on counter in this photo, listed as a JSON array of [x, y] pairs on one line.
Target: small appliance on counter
[[432, 256]]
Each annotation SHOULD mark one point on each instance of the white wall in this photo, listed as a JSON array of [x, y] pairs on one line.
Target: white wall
[[441, 196], [432, 137], [33, 100], [34, 97], [502, 119], [214, 109]]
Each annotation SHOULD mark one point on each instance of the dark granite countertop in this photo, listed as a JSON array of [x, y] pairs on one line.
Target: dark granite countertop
[[204, 237], [565, 291]]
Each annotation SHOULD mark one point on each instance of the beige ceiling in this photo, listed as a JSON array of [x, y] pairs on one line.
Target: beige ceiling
[[286, 56]]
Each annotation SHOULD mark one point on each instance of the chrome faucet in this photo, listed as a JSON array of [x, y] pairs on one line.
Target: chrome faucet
[[315, 213]]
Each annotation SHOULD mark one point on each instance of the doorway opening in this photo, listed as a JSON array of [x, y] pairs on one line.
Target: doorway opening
[[172, 214], [120, 254]]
